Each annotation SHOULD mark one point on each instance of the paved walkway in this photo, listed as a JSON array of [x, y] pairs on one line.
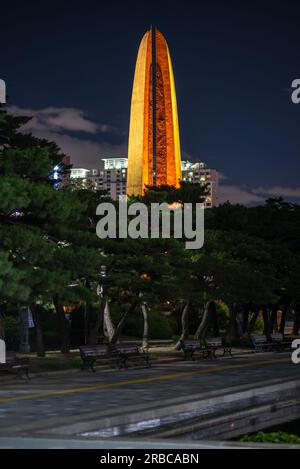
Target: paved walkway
[[69, 403]]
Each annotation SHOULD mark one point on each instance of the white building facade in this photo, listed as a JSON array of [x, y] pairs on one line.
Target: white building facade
[[199, 173], [112, 175]]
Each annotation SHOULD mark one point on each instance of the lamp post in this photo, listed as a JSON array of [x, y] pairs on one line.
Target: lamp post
[[108, 327], [100, 287], [24, 326], [99, 292]]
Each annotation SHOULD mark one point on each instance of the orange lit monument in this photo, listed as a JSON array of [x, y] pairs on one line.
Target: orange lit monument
[[154, 146]]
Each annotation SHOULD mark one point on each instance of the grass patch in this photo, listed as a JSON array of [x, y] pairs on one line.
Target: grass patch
[[56, 364]]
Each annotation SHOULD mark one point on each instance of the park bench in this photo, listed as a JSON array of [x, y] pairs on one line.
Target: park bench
[[129, 352], [212, 344], [189, 347], [14, 364], [280, 343], [92, 353], [261, 344]]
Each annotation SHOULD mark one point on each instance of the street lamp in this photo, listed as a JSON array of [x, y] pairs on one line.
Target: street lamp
[[25, 320], [102, 277]]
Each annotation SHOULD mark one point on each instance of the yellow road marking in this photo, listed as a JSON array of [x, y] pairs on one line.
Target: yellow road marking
[[179, 374]]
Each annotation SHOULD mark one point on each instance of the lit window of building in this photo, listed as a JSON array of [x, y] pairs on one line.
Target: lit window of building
[[112, 175]]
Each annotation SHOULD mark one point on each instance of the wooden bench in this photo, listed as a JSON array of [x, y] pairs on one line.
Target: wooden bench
[[14, 364], [189, 347], [212, 344], [280, 343], [129, 351], [260, 343], [92, 353]]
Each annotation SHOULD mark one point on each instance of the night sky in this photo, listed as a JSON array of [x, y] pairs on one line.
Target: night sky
[[70, 64]]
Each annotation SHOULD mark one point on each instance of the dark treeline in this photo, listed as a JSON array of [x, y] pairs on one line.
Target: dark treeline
[[52, 261]]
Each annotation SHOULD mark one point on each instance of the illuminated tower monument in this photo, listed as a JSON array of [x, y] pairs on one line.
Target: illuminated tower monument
[[154, 146]]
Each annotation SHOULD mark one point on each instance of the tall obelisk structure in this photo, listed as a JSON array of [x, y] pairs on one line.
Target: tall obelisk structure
[[154, 145]]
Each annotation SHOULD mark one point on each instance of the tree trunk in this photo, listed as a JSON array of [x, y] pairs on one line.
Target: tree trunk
[[214, 320], [273, 319], [245, 321], [232, 332], [296, 325], [2, 326], [95, 327], [87, 321], [145, 344], [205, 321], [108, 326], [200, 316], [122, 322], [253, 320], [39, 336], [285, 311], [265, 314], [65, 327], [184, 325], [282, 320], [88, 316], [197, 333]]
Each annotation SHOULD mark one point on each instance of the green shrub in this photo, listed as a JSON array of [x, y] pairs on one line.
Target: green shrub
[[12, 328], [134, 325], [160, 326], [75, 362], [222, 314], [272, 437], [259, 327], [52, 364]]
